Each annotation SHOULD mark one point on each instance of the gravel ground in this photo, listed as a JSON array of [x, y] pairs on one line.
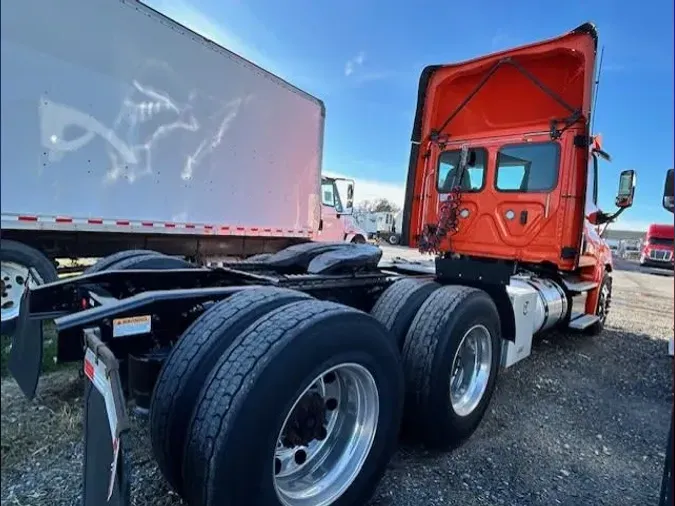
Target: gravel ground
[[583, 421]]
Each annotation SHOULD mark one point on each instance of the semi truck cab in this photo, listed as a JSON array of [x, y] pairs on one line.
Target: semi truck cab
[[657, 247], [504, 168], [337, 206]]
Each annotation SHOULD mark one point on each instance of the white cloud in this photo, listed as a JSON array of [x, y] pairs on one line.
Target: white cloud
[[354, 63], [369, 189]]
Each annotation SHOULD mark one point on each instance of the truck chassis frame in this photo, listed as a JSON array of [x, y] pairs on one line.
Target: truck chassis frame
[[118, 321]]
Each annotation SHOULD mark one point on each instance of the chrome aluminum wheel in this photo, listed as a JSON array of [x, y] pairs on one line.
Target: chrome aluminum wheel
[[326, 437], [13, 281], [471, 370]]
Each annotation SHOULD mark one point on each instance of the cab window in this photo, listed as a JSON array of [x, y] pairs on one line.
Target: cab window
[[327, 194], [592, 184], [473, 176], [528, 167]]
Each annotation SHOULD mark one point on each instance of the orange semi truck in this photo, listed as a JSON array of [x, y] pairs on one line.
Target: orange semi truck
[[284, 381]]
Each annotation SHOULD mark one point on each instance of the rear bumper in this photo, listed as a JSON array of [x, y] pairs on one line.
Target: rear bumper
[[650, 262]]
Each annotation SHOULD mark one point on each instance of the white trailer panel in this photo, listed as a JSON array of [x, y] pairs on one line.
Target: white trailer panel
[[116, 116]]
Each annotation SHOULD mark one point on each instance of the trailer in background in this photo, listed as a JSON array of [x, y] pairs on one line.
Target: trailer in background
[[382, 225]]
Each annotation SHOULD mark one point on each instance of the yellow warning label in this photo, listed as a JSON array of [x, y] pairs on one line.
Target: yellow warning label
[[132, 326]]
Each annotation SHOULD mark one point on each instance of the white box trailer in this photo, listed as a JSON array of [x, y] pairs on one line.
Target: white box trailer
[[126, 140], [123, 130]]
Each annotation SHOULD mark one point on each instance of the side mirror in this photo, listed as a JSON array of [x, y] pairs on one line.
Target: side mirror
[[624, 197], [668, 192], [345, 194]]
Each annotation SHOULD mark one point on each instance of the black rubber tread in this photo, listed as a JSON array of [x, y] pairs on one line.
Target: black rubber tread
[[397, 306], [597, 328], [192, 358], [428, 353], [13, 251], [106, 263], [151, 262], [247, 395]]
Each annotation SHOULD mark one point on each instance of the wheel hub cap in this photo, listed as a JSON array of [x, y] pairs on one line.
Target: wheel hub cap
[[471, 370], [326, 437]]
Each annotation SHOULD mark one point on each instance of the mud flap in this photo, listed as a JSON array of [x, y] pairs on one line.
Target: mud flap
[[25, 358], [106, 464]]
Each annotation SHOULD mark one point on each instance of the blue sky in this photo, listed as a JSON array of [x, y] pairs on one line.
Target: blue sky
[[363, 59]]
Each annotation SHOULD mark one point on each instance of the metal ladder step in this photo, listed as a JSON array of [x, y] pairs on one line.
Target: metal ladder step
[[583, 321], [578, 285]]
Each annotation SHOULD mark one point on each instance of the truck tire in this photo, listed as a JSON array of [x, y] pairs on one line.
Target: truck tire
[[279, 390], [445, 402], [397, 306], [190, 362], [604, 301], [20, 265], [107, 263], [151, 261]]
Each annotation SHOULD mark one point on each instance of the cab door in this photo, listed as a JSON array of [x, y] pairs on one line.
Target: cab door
[[330, 227]]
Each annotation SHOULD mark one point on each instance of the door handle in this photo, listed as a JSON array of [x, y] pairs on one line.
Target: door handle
[[523, 217], [320, 225]]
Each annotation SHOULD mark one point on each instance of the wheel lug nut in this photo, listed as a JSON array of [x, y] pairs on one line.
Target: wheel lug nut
[[323, 434], [300, 457]]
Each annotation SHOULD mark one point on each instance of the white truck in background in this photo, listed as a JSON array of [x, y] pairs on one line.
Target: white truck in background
[[129, 145], [382, 225]]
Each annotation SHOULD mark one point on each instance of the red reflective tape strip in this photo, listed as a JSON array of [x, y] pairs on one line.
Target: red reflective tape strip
[[188, 226], [89, 370]]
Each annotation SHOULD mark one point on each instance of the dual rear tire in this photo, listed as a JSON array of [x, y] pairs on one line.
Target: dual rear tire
[[450, 341], [302, 399]]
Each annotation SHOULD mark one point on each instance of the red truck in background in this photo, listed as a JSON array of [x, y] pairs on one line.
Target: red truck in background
[[658, 245]]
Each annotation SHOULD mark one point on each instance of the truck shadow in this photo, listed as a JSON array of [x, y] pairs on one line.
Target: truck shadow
[[583, 421]]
